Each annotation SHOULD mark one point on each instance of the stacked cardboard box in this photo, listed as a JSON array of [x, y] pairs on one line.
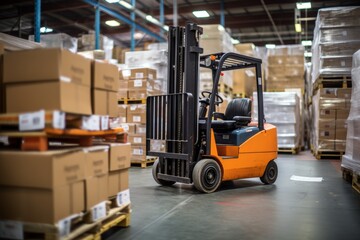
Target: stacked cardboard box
[[87, 43], [283, 110], [336, 39], [285, 68], [67, 182], [351, 159], [330, 110]]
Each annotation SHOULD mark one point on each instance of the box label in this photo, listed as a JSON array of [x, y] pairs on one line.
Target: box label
[[104, 122], [138, 83], [151, 76], [123, 198], [136, 118], [139, 75], [59, 120], [133, 107], [126, 73], [138, 151], [137, 140], [91, 123], [32, 121], [11, 230], [98, 211], [64, 225]]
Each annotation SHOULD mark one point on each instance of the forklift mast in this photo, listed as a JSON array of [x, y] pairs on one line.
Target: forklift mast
[[172, 119]]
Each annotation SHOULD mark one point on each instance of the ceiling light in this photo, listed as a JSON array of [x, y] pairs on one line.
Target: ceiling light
[[112, 1], [46, 30], [270, 46], [303, 5], [235, 41], [201, 14], [297, 27], [126, 4], [308, 54], [112, 23], [306, 42], [166, 28], [138, 35], [151, 19]]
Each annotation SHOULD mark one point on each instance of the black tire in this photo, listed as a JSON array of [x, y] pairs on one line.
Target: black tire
[[155, 171], [207, 175], [270, 174]]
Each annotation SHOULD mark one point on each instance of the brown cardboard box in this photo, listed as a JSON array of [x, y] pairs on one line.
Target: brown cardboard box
[[327, 113], [340, 145], [332, 103], [140, 129], [67, 97], [118, 181], [45, 64], [327, 134], [122, 112], [123, 84], [119, 155], [326, 124], [342, 113], [328, 92], [138, 152], [96, 161], [122, 94], [136, 113], [129, 127], [105, 76], [96, 190], [51, 168], [104, 102], [42, 205], [137, 139], [286, 59], [326, 145], [137, 94], [137, 84], [245, 49], [344, 93], [340, 133], [139, 73]]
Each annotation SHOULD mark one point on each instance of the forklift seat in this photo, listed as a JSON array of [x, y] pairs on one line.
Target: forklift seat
[[237, 115]]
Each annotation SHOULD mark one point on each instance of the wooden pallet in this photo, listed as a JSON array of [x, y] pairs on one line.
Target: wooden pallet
[[143, 163], [356, 182], [328, 154], [132, 101], [351, 177], [119, 216], [332, 82], [293, 151]]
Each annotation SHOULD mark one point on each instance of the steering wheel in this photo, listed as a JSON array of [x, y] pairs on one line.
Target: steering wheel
[[218, 99]]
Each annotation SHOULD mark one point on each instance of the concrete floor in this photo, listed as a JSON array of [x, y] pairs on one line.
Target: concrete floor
[[247, 209]]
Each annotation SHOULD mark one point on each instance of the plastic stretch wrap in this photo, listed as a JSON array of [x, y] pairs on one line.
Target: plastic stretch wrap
[[339, 17], [58, 40], [283, 110], [351, 159], [286, 50], [339, 34]]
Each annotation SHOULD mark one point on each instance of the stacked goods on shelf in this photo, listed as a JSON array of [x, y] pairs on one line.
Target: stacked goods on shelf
[[283, 110], [336, 39], [308, 114], [285, 68], [330, 111], [215, 40], [86, 43], [351, 159], [244, 83], [58, 40], [49, 111]]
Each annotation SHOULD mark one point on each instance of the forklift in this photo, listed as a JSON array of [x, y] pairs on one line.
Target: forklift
[[195, 144]]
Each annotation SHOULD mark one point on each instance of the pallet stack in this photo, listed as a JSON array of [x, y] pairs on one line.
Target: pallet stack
[[351, 160], [336, 38], [285, 68], [283, 110], [74, 179]]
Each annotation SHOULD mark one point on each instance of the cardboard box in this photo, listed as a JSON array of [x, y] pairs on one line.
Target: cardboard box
[[141, 73], [340, 133], [105, 76], [119, 155], [122, 94], [63, 96], [136, 113], [104, 102], [46, 64], [123, 84], [96, 161], [122, 108], [342, 113], [137, 139], [118, 181], [138, 152], [42, 205], [96, 190], [137, 84], [327, 113], [51, 168], [129, 127], [140, 129], [344, 93], [137, 94], [326, 124], [327, 134]]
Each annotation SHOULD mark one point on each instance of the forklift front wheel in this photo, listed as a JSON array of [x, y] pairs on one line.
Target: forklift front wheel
[[270, 173], [155, 171], [207, 175]]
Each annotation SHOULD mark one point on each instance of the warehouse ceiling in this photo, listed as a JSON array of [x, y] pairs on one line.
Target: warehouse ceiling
[[258, 21]]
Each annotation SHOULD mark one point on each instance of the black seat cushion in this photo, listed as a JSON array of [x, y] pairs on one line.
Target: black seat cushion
[[223, 125]]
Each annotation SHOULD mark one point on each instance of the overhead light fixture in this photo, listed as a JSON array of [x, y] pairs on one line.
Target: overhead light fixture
[[270, 46], [303, 5], [112, 23], [307, 54], [235, 41], [46, 30], [138, 35], [126, 4], [152, 19], [166, 28], [306, 42], [201, 14], [112, 1], [297, 27]]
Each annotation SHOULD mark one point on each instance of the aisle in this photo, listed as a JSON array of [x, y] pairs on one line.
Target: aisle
[[247, 209]]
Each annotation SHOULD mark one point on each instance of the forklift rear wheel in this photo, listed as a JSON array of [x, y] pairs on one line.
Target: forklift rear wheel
[[270, 173], [207, 175], [155, 171]]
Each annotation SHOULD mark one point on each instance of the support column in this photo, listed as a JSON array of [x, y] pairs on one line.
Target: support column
[[37, 20], [97, 28], [133, 27]]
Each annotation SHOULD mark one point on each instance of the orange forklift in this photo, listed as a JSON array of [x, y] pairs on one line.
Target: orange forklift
[[195, 144]]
